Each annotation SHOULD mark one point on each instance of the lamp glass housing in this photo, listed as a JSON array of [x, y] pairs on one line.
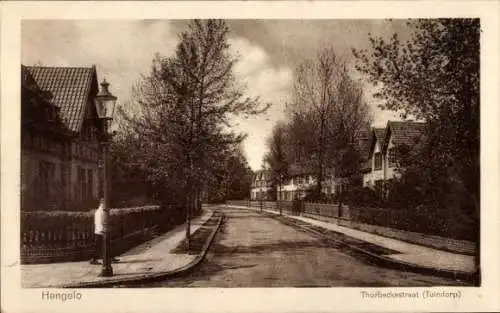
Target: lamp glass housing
[[105, 102]]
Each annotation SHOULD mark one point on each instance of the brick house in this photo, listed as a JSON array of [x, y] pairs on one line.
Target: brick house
[[60, 131]]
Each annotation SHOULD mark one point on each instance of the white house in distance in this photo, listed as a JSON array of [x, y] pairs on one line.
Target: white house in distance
[[296, 186], [300, 179], [261, 186], [382, 158]]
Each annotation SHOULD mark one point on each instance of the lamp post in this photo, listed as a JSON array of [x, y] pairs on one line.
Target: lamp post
[[105, 105], [260, 198]]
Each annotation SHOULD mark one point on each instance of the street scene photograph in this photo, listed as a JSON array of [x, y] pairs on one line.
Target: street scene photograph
[[250, 153]]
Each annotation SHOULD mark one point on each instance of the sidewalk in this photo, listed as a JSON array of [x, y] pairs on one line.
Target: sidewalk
[[146, 259], [408, 253]]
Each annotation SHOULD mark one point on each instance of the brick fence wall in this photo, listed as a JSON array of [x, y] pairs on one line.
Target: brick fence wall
[[61, 236]]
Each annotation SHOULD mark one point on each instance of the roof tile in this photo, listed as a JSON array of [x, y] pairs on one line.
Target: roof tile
[[70, 87], [406, 132]]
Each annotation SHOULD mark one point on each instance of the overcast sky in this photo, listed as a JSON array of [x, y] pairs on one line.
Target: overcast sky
[[268, 51]]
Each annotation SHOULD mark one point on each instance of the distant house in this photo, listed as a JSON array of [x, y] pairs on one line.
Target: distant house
[[381, 161], [60, 149], [261, 186], [295, 186]]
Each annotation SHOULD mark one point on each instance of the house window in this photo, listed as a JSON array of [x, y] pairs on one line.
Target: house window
[[378, 161], [392, 157]]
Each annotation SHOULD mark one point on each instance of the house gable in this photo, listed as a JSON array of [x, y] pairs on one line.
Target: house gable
[[72, 89], [378, 135], [400, 133], [37, 109], [377, 138], [403, 132]]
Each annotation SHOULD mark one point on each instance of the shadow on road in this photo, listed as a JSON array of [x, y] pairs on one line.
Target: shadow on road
[[272, 254], [139, 260], [282, 245], [208, 268]]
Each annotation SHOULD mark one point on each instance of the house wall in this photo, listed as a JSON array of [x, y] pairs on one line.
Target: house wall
[[85, 159], [59, 188], [42, 190]]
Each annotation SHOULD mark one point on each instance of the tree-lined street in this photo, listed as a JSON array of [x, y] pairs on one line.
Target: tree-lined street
[[178, 150], [254, 250]]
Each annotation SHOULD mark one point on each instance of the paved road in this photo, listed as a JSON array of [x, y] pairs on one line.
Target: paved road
[[252, 250]]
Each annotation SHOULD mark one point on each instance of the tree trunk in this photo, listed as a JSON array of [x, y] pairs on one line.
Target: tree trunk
[[197, 201], [188, 222], [190, 198], [321, 158]]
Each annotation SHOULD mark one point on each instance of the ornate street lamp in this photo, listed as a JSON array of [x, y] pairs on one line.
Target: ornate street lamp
[[105, 105]]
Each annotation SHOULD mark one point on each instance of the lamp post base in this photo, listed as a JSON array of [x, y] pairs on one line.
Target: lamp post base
[[106, 272]]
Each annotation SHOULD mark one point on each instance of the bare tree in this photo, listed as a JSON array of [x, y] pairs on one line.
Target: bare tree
[[351, 118], [330, 104]]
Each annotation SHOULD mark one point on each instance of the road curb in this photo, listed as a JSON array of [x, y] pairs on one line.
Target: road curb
[[157, 276], [383, 260]]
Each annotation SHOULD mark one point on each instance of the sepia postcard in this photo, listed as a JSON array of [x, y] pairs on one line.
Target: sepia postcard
[[279, 156]]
